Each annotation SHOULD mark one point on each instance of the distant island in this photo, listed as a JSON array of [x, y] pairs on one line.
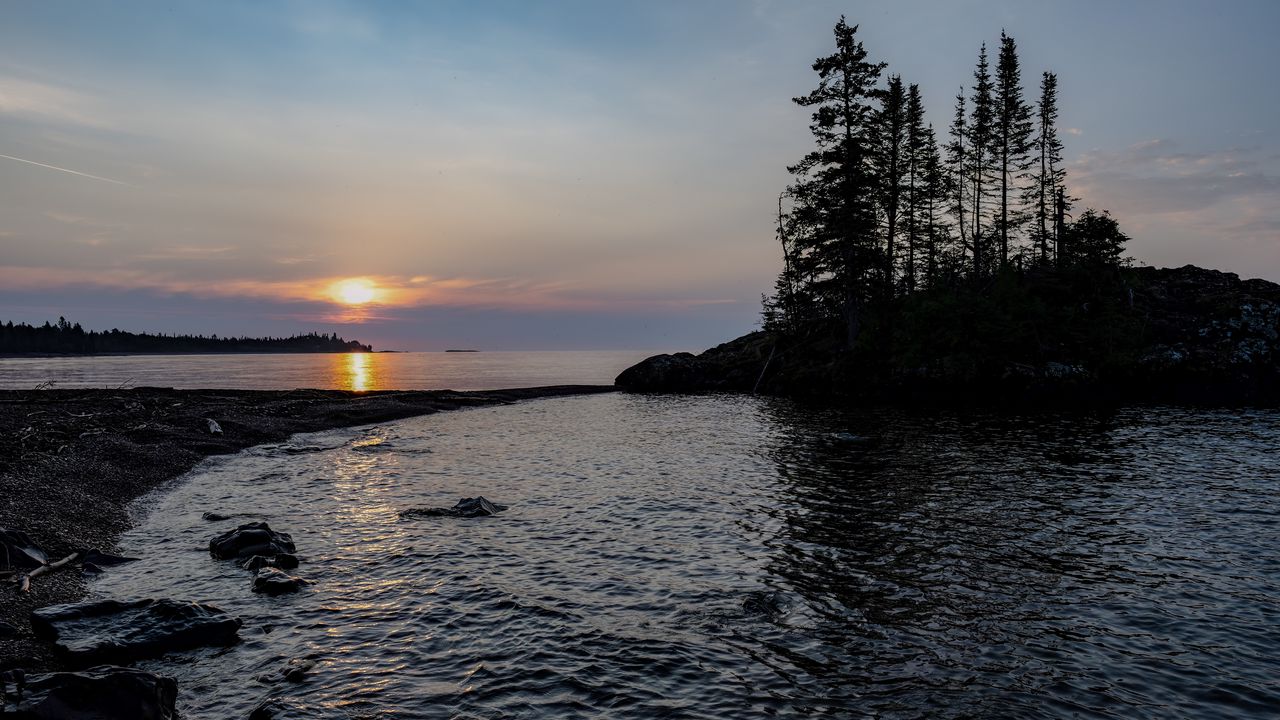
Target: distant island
[[66, 338], [919, 271], [462, 351]]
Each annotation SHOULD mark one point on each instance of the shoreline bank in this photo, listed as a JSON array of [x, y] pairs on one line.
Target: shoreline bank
[[71, 461]]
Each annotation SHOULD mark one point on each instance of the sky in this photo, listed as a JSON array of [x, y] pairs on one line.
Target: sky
[[552, 175]]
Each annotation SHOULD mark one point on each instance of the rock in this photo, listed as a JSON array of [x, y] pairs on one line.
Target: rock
[[102, 693], [665, 373], [255, 538], [8, 629], [101, 560], [114, 631], [17, 550], [214, 517], [283, 560], [466, 508], [214, 427], [271, 581]]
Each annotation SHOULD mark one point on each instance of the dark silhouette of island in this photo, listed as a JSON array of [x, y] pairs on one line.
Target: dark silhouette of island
[[65, 338], [924, 271]]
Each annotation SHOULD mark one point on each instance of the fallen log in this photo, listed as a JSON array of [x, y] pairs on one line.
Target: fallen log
[[24, 582]]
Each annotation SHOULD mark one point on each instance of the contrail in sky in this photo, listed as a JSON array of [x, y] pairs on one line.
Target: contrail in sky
[[65, 170]]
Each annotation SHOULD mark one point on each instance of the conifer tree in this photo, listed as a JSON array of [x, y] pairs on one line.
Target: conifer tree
[[981, 155], [916, 198], [935, 190], [834, 193], [891, 168], [1013, 136], [958, 161], [1047, 175]]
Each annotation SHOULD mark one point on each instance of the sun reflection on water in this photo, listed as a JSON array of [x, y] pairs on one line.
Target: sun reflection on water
[[359, 373]]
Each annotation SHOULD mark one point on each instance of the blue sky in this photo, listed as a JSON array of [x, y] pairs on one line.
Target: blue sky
[[550, 175]]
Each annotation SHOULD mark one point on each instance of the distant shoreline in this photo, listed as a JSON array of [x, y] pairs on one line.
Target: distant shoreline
[[14, 356], [71, 462]]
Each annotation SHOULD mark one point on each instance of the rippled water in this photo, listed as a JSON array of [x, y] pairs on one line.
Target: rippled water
[[337, 371], [718, 557]]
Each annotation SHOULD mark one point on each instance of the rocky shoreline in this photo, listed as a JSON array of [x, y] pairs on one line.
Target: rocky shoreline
[[71, 461], [1157, 335]]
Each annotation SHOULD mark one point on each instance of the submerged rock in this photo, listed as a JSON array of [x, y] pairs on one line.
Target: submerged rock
[[771, 604], [255, 538], [281, 709], [214, 517], [114, 631], [271, 581], [466, 507], [102, 693]]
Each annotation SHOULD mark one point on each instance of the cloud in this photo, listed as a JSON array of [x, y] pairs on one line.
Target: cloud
[[42, 101], [1156, 177]]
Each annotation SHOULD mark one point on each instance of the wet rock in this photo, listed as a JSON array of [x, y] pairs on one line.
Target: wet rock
[[17, 550], [255, 538], [294, 671], [283, 560], [465, 508], [271, 581], [115, 631], [214, 517], [101, 693], [101, 560]]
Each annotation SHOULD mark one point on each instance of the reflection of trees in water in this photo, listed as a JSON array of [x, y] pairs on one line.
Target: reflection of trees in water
[[941, 553]]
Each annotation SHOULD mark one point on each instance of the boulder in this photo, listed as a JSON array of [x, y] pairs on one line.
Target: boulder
[[115, 631], [255, 538], [283, 560], [465, 508], [102, 693], [214, 517], [665, 373], [271, 581]]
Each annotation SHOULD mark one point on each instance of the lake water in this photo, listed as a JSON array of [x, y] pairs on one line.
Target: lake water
[[344, 371], [738, 557]]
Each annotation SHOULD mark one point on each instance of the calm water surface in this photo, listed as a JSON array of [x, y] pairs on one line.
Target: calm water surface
[[353, 371], [727, 557]]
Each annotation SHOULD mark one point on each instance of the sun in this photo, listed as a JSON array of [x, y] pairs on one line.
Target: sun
[[354, 291]]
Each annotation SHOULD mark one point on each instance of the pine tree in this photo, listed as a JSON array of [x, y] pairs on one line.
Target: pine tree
[[916, 198], [1048, 175], [1013, 136], [981, 155], [935, 190], [834, 193], [891, 168], [958, 160]]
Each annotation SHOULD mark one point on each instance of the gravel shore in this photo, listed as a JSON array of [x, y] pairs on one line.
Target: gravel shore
[[71, 461]]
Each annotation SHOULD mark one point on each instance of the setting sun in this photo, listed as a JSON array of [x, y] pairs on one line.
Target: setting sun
[[356, 291]]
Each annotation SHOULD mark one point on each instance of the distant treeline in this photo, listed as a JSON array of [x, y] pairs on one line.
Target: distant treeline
[[69, 338]]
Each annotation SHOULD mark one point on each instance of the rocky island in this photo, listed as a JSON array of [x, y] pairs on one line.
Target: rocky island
[[1145, 335]]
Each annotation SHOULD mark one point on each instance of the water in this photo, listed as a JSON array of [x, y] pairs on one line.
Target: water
[[354, 371], [730, 556]]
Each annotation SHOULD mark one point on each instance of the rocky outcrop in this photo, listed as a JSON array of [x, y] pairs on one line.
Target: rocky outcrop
[[1181, 335], [465, 508], [102, 693], [115, 631], [255, 538]]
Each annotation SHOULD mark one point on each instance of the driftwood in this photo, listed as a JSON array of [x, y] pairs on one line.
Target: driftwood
[[24, 581]]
